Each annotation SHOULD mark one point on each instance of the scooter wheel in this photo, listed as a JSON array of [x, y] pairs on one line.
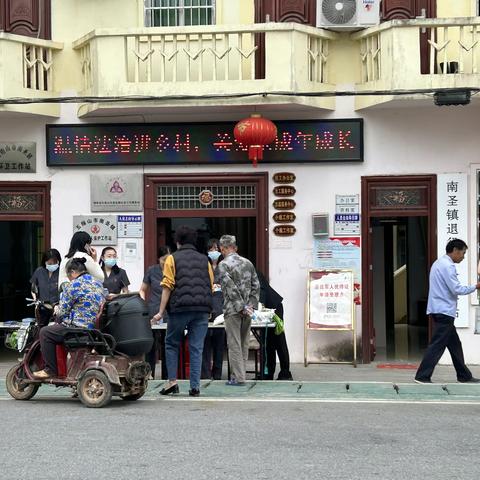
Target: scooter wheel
[[14, 380], [94, 389]]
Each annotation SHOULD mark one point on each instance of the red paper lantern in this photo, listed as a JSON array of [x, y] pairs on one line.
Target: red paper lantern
[[255, 132]]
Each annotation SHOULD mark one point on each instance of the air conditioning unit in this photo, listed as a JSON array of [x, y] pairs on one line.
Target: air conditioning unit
[[347, 14]]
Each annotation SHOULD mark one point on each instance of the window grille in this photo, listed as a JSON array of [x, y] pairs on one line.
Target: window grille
[[176, 13], [187, 197]]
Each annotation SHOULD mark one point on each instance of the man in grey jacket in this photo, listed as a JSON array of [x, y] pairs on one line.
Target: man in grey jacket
[[241, 290]]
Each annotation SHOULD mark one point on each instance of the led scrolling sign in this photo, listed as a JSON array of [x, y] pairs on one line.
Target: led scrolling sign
[[200, 143]]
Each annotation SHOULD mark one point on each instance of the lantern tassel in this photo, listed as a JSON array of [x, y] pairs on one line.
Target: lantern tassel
[[255, 153]]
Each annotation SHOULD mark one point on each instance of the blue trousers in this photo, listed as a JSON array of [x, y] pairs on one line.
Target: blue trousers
[[197, 325]]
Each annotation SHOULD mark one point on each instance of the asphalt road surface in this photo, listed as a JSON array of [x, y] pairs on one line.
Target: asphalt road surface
[[182, 438]]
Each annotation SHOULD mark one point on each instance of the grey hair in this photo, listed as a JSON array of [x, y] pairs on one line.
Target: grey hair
[[228, 241]]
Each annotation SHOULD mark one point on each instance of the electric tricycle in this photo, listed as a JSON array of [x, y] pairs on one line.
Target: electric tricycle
[[93, 363]]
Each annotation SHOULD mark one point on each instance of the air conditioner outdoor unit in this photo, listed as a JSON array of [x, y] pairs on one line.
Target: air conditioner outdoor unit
[[347, 14]]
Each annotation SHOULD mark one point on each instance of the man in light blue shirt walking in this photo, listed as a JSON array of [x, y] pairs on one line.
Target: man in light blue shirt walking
[[442, 306]]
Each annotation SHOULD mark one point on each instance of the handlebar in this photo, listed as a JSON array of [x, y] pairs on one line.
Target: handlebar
[[36, 302]]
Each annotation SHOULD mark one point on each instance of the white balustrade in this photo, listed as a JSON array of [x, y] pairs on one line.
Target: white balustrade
[[205, 53]]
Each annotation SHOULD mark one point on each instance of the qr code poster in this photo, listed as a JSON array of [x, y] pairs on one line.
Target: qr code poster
[[330, 302]]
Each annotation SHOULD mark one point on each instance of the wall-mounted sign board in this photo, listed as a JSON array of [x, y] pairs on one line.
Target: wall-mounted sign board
[[102, 228], [284, 204], [284, 217], [284, 177], [305, 141], [18, 157], [284, 191], [284, 230], [114, 193]]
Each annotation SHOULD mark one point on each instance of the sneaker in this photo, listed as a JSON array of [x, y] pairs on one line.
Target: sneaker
[[194, 392], [470, 380], [422, 380], [234, 383]]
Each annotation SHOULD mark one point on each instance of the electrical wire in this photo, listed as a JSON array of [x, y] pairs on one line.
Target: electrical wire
[[166, 98]]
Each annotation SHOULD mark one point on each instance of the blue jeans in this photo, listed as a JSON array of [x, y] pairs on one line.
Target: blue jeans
[[197, 325]]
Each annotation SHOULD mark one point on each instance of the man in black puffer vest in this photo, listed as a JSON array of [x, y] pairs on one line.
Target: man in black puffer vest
[[187, 296]]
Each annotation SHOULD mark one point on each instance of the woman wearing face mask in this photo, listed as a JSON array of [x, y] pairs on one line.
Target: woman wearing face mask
[[116, 280], [80, 247], [44, 282], [212, 360]]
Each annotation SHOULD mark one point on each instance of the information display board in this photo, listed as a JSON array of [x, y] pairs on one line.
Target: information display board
[[330, 304], [306, 141]]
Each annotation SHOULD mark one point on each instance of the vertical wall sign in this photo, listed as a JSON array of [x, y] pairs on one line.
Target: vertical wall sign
[[284, 190], [452, 221]]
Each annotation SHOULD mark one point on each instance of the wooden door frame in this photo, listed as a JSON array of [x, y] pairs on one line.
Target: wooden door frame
[[370, 210], [42, 214], [260, 179]]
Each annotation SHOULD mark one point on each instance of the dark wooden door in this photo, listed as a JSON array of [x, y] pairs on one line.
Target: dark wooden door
[[180, 188], [298, 11], [26, 17], [405, 9], [392, 196]]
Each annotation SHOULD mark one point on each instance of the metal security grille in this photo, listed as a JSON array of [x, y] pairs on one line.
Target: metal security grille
[[176, 13], [187, 197]]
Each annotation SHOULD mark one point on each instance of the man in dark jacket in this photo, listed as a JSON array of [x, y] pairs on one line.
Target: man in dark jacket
[[187, 295], [275, 344]]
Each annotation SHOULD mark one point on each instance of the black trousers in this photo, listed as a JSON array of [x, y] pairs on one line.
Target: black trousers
[[444, 336], [212, 357], [276, 345], [158, 346], [50, 337]]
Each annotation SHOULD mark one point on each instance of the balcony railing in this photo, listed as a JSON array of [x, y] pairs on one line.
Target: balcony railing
[[30, 64], [27, 70], [391, 54], [205, 59]]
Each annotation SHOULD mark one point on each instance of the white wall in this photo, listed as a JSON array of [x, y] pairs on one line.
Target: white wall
[[427, 140]]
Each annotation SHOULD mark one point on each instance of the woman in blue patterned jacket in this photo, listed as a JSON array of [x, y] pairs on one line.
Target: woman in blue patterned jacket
[[80, 302]]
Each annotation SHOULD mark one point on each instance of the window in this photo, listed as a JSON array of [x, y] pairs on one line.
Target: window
[[173, 13]]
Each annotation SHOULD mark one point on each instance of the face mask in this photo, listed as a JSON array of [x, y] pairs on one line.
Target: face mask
[[110, 262], [214, 256], [51, 268]]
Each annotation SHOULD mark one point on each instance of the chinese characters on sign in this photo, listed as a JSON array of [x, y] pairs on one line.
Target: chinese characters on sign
[[342, 252], [200, 143], [347, 216], [113, 193], [102, 228], [130, 226], [452, 222], [330, 300], [283, 190], [18, 157], [284, 177]]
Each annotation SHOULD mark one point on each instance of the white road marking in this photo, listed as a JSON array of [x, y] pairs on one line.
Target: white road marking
[[278, 400]]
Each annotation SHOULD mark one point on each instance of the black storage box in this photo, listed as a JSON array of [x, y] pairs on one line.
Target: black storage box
[[126, 318]]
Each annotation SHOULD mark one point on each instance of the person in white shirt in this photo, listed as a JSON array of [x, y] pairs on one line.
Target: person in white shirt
[[80, 247]]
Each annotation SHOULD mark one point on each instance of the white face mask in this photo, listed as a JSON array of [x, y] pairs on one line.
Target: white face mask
[[51, 268], [214, 255]]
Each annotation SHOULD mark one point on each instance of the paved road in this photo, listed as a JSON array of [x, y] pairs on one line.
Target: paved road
[[57, 438]]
